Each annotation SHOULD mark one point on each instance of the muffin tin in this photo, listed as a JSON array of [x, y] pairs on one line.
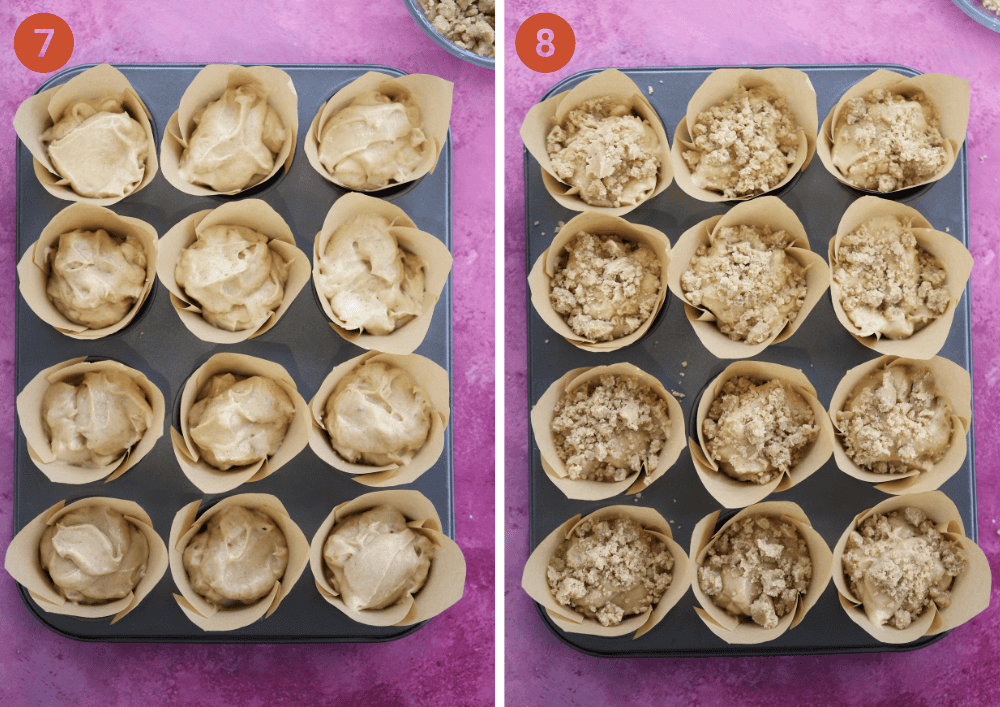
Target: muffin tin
[[157, 344], [670, 351]]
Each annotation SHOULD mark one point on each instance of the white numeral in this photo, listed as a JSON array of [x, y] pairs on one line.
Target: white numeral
[[545, 47], [45, 46]]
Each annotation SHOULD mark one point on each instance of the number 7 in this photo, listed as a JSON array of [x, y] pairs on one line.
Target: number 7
[[48, 39]]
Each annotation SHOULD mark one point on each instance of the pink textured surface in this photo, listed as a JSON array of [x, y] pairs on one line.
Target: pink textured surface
[[929, 35], [448, 662]]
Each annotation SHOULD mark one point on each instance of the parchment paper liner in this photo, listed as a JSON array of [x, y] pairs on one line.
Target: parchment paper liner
[[433, 96], [544, 269], [34, 267], [23, 561], [205, 476], [762, 211], [427, 375], [534, 581], [730, 628], [445, 582], [435, 254], [252, 213], [208, 87], [954, 256], [583, 489], [207, 616], [730, 492], [950, 95], [791, 84], [543, 116], [39, 112], [970, 590], [29, 406], [953, 383]]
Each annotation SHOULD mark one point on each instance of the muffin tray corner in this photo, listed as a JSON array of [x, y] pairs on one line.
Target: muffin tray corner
[[159, 345], [822, 348]]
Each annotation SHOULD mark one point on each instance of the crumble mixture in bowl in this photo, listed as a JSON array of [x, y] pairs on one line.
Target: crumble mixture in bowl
[[602, 281], [905, 569], [616, 571], [606, 429], [748, 278], [745, 133], [759, 574], [902, 423], [890, 132], [601, 145], [466, 28], [760, 429], [896, 282]]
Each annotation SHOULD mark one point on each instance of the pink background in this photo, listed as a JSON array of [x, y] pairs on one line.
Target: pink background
[[928, 35], [448, 662]]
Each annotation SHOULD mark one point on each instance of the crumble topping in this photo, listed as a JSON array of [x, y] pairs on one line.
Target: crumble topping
[[607, 152], [889, 285], [607, 429], [757, 431], [888, 141], [610, 569], [758, 568], [605, 287], [747, 280], [897, 564], [896, 420], [471, 24], [744, 145]]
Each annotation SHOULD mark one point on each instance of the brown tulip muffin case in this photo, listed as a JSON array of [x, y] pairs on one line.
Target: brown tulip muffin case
[[821, 348], [157, 344]]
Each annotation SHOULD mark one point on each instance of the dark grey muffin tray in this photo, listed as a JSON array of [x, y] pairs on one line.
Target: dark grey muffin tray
[[157, 344], [822, 348]]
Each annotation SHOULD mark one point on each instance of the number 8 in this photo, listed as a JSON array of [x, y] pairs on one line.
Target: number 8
[[545, 48]]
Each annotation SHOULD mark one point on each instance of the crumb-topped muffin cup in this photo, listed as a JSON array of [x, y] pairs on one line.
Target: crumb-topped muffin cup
[[209, 86], [535, 583], [791, 85], [598, 224], [254, 214], [766, 211], [955, 386], [431, 250], [428, 376], [23, 560], [970, 590], [445, 583], [35, 266], [208, 478], [29, 405], [955, 257], [730, 628], [543, 413], [40, 112], [206, 615], [730, 492], [433, 98], [949, 95], [543, 116]]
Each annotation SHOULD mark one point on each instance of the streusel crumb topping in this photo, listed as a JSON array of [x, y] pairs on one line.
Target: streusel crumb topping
[[744, 145], [604, 286], [748, 281], [610, 569], [610, 428], [897, 564]]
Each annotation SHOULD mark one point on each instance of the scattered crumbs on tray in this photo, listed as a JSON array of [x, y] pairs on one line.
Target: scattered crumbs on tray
[[684, 364], [638, 496], [661, 80], [559, 226], [537, 222], [677, 394], [650, 90], [947, 229], [546, 341], [543, 233], [682, 374]]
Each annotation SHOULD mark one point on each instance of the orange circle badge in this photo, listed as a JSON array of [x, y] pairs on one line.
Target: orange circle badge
[[43, 42], [545, 42]]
